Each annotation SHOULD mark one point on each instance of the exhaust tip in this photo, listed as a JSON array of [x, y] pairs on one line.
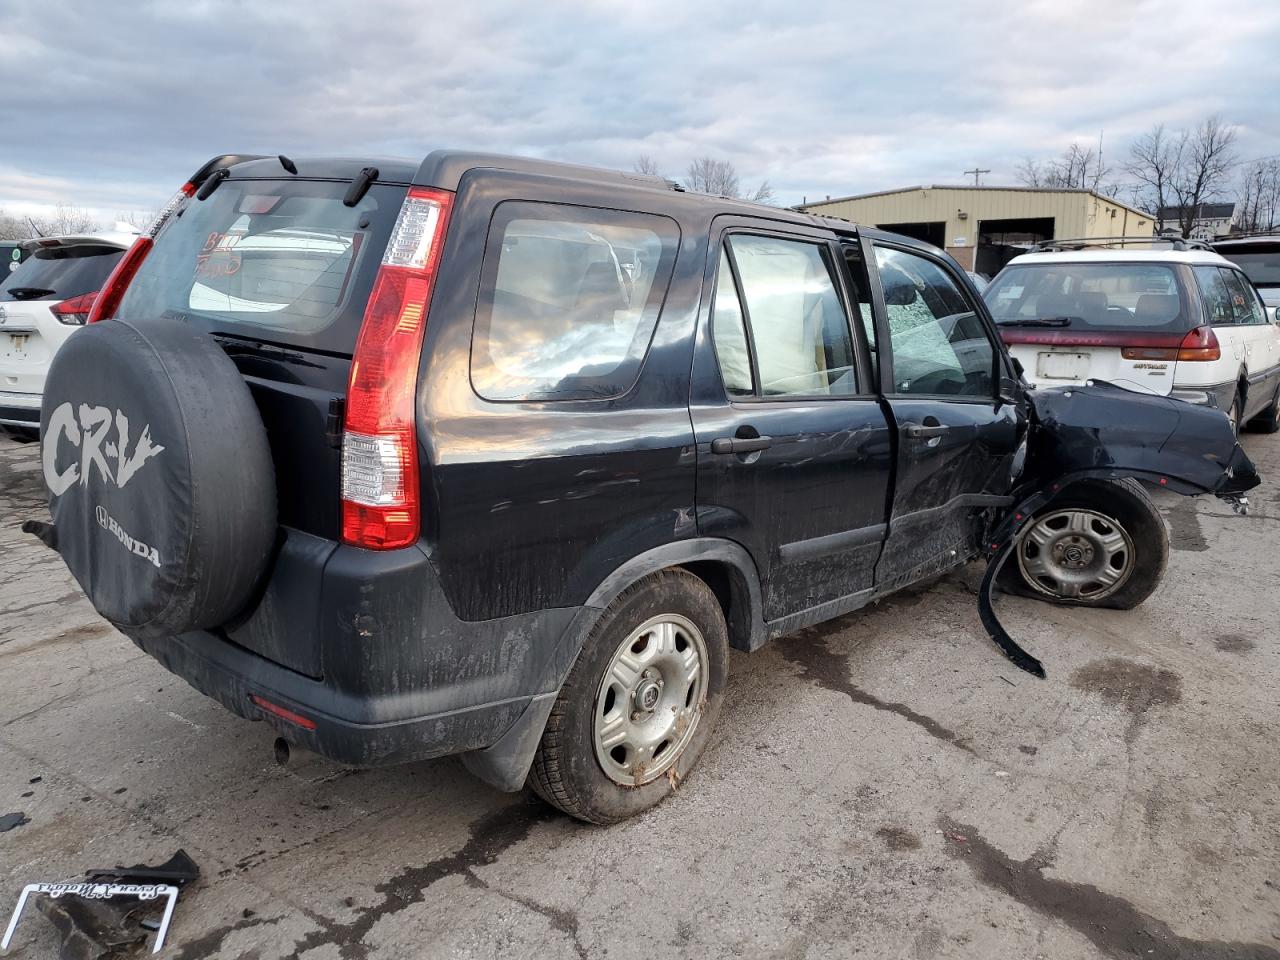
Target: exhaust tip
[[282, 751]]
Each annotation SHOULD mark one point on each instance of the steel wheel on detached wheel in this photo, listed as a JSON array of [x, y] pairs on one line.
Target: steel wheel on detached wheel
[[647, 707], [1076, 554]]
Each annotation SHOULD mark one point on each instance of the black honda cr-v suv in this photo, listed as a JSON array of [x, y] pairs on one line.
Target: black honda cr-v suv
[[499, 457]]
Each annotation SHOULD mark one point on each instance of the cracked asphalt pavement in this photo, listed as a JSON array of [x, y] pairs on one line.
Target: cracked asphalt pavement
[[886, 785]]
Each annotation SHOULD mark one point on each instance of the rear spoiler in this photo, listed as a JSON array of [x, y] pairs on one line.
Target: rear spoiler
[[223, 162]]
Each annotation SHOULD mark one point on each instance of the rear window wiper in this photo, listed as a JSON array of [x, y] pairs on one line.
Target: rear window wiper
[[29, 293], [1038, 322]]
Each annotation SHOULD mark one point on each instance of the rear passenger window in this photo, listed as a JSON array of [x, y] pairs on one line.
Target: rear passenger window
[[569, 298], [798, 326]]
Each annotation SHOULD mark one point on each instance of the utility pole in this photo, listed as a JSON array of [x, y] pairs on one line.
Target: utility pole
[[976, 173]]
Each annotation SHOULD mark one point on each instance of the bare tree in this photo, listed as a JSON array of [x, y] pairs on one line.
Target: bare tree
[[1183, 170], [1207, 158], [1079, 168], [139, 219], [1154, 160], [65, 219], [1030, 173], [716, 177], [720, 178], [1259, 194], [13, 227], [647, 165]]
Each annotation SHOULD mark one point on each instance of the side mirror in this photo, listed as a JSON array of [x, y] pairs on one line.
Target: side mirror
[[1008, 390], [1018, 368]]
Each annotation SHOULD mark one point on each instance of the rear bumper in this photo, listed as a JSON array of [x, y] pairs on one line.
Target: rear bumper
[[399, 677], [234, 676], [1217, 395], [19, 409]]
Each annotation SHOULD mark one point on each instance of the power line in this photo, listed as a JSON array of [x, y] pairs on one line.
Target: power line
[[976, 172]]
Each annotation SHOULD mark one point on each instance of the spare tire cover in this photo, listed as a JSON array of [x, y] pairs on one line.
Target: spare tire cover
[[160, 478]]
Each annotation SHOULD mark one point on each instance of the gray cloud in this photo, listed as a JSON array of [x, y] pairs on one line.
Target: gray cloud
[[111, 106]]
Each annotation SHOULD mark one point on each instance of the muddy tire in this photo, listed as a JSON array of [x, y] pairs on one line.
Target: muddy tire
[[640, 703], [1097, 544], [1268, 421]]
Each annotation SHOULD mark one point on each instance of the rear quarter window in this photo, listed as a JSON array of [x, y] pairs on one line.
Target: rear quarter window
[[569, 298]]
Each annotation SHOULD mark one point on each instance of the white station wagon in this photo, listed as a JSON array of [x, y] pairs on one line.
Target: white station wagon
[[1182, 322]]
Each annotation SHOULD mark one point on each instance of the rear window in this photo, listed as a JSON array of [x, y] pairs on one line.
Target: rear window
[[1090, 296], [569, 298], [279, 260], [1261, 264], [60, 273]]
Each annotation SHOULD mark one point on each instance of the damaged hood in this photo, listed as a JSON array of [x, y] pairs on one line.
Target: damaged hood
[[1102, 430]]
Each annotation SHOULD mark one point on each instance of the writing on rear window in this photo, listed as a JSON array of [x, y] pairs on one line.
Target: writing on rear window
[[283, 256]]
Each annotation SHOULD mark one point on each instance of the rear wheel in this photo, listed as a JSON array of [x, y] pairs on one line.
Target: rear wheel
[[638, 707], [1098, 544]]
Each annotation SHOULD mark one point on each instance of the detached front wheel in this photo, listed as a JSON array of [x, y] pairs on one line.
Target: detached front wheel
[[1098, 544], [637, 709]]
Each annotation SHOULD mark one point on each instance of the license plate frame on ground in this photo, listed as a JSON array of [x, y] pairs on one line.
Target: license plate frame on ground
[[1063, 366]]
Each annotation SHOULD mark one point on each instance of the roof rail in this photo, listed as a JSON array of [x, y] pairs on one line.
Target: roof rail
[[1083, 243]]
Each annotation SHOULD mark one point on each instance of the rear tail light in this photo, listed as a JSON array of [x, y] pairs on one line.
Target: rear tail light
[[380, 494], [75, 311], [1200, 344], [113, 290]]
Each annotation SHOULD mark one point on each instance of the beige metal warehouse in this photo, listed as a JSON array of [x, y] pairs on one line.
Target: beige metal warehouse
[[985, 227]]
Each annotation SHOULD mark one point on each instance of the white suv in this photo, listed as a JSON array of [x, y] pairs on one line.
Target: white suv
[[1182, 322], [42, 303]]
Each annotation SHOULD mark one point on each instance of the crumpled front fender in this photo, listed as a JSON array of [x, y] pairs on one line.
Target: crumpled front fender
[[1101, 430]]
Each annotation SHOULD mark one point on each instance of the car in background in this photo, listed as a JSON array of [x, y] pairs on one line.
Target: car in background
[[11, 254], [1181, 322], [980, 282], [1259, 258], [42, 303]]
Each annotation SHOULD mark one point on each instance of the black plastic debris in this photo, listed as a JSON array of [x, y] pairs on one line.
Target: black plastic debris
[[94, 929], [11, 820], [178, 870]]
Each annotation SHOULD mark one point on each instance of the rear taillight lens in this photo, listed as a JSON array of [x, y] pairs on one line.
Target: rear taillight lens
[[380, 495], [113, 290], [1199, 344], [75, 312]]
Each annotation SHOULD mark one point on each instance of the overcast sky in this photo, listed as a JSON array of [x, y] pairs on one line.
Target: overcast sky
[[110, 106]]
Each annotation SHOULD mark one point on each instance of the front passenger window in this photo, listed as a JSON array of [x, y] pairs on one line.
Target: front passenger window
[[939, 345]]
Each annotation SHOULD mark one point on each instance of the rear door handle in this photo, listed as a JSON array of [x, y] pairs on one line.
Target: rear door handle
[[915, 430], [740, 444]]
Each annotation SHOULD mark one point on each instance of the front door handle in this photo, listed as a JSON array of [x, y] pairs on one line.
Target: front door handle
[[934, 430], [740, 444]]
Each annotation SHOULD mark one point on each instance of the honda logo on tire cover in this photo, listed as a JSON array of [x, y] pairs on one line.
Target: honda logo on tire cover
[[90, 429]]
